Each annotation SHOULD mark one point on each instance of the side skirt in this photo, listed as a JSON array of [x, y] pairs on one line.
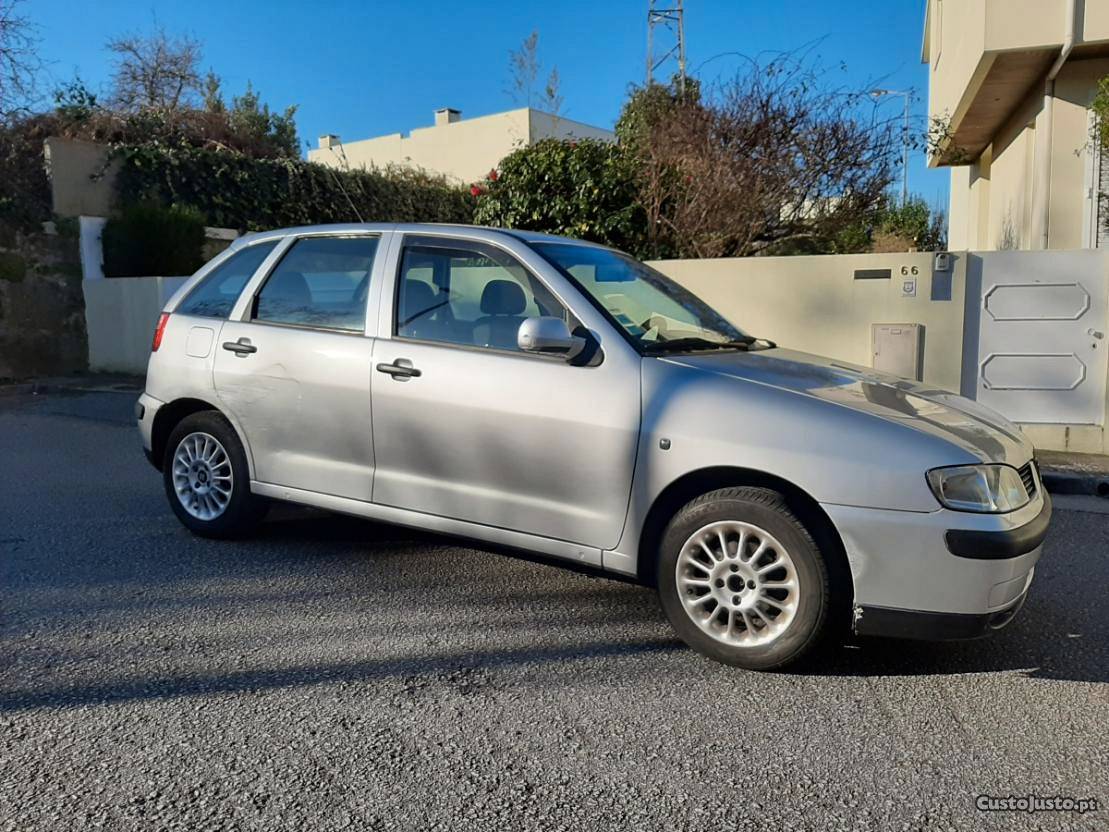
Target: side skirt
[[432, 522]]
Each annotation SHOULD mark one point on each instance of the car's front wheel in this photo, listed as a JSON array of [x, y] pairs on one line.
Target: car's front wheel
[[207, 479], [742, 580]]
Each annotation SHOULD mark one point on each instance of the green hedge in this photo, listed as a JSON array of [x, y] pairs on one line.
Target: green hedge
[[147, 239], [233, 191], [585, 188]]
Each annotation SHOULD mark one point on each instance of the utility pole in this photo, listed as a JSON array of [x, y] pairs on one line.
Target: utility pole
[[669, 21], [908, 96]]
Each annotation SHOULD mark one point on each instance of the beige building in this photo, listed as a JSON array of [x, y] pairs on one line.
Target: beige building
[[463, 149], [1011, 81]]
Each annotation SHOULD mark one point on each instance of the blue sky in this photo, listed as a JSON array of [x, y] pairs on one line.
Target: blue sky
[[360, 68]]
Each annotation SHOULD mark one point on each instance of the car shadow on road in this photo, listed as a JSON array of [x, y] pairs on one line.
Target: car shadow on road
[[369, 670], [1053, 637]]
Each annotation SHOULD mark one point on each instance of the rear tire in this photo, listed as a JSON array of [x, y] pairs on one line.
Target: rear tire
[[741, 579], [207, 479]]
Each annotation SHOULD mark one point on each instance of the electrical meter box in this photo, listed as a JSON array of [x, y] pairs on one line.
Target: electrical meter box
[[898, 349]]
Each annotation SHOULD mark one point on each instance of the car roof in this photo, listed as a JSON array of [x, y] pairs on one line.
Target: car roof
[[477, 232]]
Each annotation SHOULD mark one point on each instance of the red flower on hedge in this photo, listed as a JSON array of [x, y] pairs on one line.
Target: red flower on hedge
[[492, 176], [475, 190]]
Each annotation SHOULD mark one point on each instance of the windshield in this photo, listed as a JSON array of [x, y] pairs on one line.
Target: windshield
[[657, 314]]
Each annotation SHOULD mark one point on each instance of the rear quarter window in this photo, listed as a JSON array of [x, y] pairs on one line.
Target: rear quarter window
[[215, 295]]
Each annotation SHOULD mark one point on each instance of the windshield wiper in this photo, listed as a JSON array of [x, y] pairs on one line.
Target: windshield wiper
[[695, 343]]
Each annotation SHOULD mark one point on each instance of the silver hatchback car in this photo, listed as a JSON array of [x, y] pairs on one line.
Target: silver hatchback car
[[555, 396]]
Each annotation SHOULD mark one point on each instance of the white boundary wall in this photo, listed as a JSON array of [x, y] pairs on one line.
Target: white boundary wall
[[817, 304], [121, 313]]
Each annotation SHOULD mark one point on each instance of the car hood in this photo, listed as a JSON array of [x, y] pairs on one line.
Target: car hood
[[981, 432]]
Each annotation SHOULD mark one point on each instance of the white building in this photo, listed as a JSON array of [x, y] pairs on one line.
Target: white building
[[462, 149]]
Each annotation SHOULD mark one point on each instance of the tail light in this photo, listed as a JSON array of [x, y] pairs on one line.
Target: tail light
[[159, 331]]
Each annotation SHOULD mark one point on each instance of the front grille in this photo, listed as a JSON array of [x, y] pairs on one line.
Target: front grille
[[1028, 477]]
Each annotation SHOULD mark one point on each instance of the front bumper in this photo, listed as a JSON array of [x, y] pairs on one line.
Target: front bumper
[[942, 574], [932, 626]]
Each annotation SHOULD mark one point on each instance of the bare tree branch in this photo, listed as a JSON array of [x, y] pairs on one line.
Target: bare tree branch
[[769, 158], [19, 60], [157, 71], [523, 68], [552, 94]]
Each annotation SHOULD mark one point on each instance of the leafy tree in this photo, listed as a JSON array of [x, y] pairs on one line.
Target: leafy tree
[[74, 102], [583, 189], [650, 106], [912, 225], [213, 94], [1100, 108], [253, 121]]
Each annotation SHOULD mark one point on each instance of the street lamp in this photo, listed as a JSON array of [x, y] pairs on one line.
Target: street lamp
[[908, 96]]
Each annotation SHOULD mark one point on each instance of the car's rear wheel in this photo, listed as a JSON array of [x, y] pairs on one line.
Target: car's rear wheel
[[207, 480], [742, 580]]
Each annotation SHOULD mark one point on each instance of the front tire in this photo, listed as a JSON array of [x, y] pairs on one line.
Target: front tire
[[207, 479], [741, 579]]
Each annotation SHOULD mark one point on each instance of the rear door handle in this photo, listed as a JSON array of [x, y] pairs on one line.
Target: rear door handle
[[401, 369], [241, 348]]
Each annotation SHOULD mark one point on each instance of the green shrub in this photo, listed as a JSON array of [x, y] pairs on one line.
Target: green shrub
[[583, 189], [147, 239], [1100, 108], [13, 268], [234, 191]]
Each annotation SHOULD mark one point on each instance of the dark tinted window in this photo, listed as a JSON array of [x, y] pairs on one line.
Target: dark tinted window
[[215, 296], [321, 282]]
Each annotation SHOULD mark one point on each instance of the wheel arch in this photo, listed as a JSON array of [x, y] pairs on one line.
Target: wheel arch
[[170, 415], [695, 483]]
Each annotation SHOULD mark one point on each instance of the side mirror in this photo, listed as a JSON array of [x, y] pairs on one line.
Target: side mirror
[[548, 335]]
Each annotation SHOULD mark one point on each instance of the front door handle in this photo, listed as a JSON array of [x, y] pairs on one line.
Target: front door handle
[[401, 369], [241, 348]]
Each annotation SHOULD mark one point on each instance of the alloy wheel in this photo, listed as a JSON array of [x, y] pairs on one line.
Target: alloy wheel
[[202, 476], [737, 583]]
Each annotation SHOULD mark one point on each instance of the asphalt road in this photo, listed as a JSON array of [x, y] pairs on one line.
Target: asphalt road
[[336, 674]]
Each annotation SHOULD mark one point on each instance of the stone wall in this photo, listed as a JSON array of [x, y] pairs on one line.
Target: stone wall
[[42, 310]]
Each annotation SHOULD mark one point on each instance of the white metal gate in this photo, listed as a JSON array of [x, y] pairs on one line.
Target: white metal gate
[[1041, 343]]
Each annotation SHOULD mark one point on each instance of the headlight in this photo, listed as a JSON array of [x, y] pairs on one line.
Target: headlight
[[985, 488]]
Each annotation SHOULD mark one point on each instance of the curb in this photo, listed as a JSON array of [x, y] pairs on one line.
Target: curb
[[34, 388]]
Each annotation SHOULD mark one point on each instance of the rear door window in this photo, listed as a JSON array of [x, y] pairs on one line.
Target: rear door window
[[321, 283], [215, 295]]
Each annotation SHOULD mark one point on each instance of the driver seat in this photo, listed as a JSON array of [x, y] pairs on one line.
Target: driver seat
[[502, 305]]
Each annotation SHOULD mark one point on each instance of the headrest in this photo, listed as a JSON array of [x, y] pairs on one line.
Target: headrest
[[503, 297]]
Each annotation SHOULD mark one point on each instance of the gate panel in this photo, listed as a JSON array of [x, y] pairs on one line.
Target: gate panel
[[1041, 342]]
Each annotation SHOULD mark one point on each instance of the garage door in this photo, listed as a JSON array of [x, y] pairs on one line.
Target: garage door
[[1041, 346]]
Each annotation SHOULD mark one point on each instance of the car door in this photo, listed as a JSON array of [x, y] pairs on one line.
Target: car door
[[294, 367], [468, 426]]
